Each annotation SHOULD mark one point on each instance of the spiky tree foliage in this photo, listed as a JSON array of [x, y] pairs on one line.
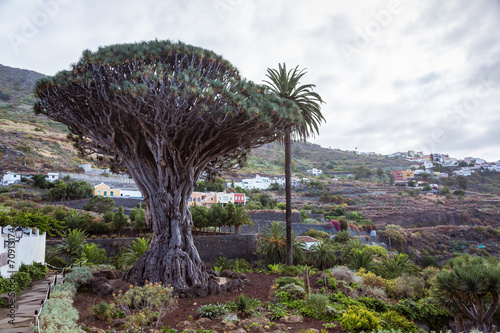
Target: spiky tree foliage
[[395, 266], [285, 83], [168, 112], [136, 250], [72, 244], [322, 255], [472, 285], [360, 258], [272, 245]]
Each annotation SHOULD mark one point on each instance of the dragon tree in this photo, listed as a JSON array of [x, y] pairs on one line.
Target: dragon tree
[[169, 113]]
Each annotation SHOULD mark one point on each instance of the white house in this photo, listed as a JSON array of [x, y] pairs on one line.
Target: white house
[[131, 193], [10, 178], [225, 198], [52, 177], [428, 165], [261, 183], [315, 172]]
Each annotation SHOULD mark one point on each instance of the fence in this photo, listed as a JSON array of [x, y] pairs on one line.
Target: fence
[[20, 246]]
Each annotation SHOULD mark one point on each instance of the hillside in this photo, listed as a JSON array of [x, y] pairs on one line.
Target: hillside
[[270, 159], [28, 142]]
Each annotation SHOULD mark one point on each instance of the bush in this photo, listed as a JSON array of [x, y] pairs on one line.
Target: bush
[[21, 279], [318, 234], [144, 307], [357, 319], [99, 204], [393, 320], [405, 287], [36, 271], [291, 292], [79, 276], [342, 237], [245, 304], [343, 273], [373, 304], [59, 315], [290, 270], [317, 303], [371, 279], [213, 310], [284, 280]]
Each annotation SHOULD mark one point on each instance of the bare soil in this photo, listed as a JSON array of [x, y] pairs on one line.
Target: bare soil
[[260, 288]]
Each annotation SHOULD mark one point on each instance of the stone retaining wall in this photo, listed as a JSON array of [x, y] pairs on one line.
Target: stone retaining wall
[[209, 247]]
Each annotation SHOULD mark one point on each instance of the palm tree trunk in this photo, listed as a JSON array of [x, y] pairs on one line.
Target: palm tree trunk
[[288, 194]]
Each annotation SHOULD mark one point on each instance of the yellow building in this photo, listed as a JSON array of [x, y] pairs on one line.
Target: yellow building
[[106, 191]]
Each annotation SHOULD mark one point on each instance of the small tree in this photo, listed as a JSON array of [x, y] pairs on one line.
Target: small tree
[[473, 286], [119, 220], [239, 218], [200, 216], [40, 181], [462, 182], [217, 216], [99, 204]]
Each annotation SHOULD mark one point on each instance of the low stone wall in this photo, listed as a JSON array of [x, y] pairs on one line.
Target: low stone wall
[[209, 247], [274, 216]]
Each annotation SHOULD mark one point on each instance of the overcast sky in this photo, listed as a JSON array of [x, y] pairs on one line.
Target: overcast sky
[[395, 75]]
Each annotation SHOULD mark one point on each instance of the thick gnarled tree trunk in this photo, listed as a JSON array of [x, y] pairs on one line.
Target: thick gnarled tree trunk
[[172, 257]]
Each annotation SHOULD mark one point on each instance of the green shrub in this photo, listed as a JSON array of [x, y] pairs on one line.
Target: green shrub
[[357, 319], [316, 303], [277, 311], [213, 310], [59, 315], [145, 307], [393, 320], [245, 304], [318, 234], [37, 271], [106, 312], [292, 291], [284, 280], [290, 270], [373, 304], [79, 276], [21, 279]]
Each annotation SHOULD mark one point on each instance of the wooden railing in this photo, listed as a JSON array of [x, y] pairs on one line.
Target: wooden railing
[[51, 284]]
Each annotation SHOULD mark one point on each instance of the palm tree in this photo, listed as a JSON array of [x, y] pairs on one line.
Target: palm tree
[[285, 84], [360, 258], [272, 245], [322, 255], [239, 217], [391, 268], [72, 244]]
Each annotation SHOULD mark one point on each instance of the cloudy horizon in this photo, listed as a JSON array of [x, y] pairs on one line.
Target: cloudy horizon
[[395, 75]]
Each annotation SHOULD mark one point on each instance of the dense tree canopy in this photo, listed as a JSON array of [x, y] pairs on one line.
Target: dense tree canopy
[[169, 112]]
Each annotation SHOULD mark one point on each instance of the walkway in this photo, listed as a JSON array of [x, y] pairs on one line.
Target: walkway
[[26, 304]]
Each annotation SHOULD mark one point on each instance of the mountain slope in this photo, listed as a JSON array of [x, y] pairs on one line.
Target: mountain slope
[[28, 142]]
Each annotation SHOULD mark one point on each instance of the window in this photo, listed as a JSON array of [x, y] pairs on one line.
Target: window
[[111, 193], [105, 193], [99, 192], [190, 199]]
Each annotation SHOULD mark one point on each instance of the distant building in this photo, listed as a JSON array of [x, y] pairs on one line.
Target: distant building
[[315, 172], [52, 177], [10, 178], [106, 191], [401, 175]]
